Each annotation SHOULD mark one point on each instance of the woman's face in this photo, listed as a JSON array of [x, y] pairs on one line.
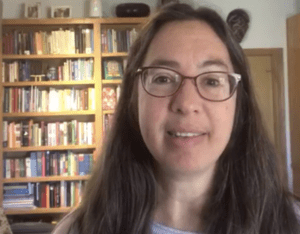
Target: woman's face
[[191, 48]]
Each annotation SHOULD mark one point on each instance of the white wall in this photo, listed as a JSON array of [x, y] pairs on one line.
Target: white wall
[[268, 17], [267, 28]]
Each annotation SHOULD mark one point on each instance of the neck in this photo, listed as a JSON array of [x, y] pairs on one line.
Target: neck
[[180, 199]]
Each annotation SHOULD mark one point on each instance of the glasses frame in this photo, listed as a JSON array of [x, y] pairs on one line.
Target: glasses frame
[[237, 77]]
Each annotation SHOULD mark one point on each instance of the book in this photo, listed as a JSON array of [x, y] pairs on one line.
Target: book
[[109, 98], [25, 133], [33, 164], [112, 69]]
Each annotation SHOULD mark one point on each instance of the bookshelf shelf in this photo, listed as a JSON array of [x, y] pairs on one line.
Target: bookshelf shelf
[[111, 82], [46, 56], [48, 83], [43, 22], [60, 210], [48, 114], [107, 112], [45, 179], [119, 54], [53, 148]]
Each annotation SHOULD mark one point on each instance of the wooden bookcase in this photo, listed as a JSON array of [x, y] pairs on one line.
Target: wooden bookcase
[[293, 46], [96, 115]]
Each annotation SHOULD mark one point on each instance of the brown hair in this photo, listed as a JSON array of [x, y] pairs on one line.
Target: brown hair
[[247, 194]]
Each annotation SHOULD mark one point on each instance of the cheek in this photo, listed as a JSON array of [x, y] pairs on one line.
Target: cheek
[[152, 114], [222, 118]]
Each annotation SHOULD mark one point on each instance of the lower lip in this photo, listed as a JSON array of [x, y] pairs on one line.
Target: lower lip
[[185, 141]]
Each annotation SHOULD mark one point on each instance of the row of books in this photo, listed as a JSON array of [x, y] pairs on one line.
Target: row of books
[[44, 195], [59, 41], [26, 70], [41, 99], [28, 133], [110, 97], [48, 163], [117, 40]]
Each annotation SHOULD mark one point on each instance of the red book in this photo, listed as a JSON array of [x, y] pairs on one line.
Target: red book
[[43, 195], [54, 196], [47, 196], [12, 168]]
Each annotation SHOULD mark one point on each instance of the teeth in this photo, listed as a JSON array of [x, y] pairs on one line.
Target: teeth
[[185, 134]]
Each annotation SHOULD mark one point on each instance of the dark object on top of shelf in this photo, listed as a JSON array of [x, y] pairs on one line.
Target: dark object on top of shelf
[[238, 20], [132, 10], [165, 2], [32, 227]]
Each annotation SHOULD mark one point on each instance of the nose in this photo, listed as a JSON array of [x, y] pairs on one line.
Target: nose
[[187, 99]]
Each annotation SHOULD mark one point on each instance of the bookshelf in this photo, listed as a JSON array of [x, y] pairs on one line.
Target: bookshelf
[[15, 85]]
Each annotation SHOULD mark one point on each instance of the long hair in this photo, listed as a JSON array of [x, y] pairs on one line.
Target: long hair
[[247, 193]]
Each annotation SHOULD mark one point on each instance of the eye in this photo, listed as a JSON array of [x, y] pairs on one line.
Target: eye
[[209, 81], [162, 79]]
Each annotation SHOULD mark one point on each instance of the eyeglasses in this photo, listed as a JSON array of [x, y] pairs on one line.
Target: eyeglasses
[[213, 86]]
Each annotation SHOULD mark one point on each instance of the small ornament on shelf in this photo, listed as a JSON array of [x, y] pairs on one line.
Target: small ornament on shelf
[[38, 77], [33, 11], [61, 12], [95, 8]]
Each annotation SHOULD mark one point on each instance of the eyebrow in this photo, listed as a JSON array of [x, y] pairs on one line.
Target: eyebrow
[[175, 64], [165, 62], [213, 62]]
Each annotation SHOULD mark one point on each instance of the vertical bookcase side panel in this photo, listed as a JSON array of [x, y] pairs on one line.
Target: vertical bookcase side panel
[[1, 121], [98, 88], [293, 49]]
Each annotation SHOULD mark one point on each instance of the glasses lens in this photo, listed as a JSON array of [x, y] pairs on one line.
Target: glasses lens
[[160, 82], [216, 86]]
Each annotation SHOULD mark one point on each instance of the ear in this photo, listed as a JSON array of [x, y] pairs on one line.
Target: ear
[[238, 21]]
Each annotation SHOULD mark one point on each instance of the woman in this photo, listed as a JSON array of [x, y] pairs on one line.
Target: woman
[[188, 152]]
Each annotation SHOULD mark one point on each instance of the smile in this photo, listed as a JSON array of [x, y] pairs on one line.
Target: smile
[[184, 134]]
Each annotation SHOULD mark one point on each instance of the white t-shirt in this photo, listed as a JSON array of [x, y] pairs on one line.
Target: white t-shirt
[[157, 228]]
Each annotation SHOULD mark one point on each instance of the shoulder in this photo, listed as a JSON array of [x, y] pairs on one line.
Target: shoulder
[[64, 225], [297, 209]]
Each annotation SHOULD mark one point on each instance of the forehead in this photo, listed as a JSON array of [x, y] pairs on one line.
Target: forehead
[[187, 42]]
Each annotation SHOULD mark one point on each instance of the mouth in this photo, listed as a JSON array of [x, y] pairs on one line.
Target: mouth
[[185, 134]]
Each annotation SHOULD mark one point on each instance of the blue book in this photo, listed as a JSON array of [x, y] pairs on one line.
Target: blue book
[[27, 70], [37, 200], [4, 168], [81, 171], [75, 69], [15, 51], [47, 157], [31, 42], [39, 163], [92, 40], [16, 191], [109, 39], [27, 99], [86, 164], [33, 164]]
